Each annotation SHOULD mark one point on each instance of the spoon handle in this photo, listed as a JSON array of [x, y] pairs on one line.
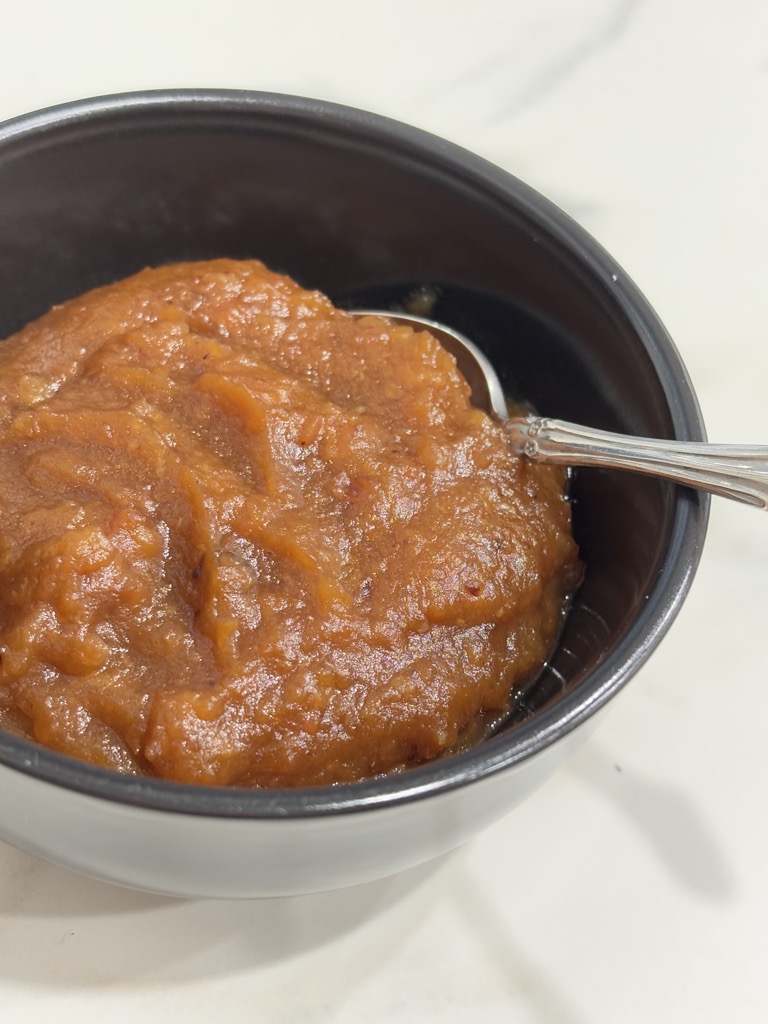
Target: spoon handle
[[733, 471]]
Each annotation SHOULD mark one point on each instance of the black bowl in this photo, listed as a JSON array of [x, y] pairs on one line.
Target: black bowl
[[369, 211]]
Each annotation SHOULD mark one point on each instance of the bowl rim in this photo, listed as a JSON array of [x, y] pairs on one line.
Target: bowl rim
[[531, 737]]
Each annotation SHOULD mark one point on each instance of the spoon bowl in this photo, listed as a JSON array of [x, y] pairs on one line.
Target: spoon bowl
[[739, 472]]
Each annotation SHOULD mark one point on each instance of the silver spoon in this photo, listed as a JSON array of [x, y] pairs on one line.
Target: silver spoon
[[733, 471]]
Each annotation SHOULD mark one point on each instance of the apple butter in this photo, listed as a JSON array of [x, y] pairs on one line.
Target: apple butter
[[249, 540]]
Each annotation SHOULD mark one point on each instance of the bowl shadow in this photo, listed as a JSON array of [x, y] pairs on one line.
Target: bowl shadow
[[64, 930]]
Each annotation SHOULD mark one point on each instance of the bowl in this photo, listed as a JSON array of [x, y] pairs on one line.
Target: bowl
[[367, 210]]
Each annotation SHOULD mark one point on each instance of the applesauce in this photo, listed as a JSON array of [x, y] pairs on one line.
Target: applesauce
[[249, 540]]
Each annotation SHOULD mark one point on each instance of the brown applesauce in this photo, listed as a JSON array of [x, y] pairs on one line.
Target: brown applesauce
[[246, 539]]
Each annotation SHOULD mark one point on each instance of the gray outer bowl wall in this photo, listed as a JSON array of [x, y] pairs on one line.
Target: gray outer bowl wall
[[361, 207], [193, 855]]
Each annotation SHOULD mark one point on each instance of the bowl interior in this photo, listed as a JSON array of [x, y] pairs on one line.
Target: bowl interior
[[367, 210]]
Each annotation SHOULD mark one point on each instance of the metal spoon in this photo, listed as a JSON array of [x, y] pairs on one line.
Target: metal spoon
[[733, 471]]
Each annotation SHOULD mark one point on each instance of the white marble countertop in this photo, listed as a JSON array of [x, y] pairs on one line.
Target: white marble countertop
[[633, 887]]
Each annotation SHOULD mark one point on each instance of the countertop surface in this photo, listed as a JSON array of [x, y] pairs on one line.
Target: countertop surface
[[633, 887]]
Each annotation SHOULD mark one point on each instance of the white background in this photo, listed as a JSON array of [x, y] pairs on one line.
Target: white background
[[634, 886]]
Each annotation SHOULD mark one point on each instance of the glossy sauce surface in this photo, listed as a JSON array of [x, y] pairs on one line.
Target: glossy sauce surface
[[246, 539]]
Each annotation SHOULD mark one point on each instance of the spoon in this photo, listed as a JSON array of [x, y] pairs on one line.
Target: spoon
[[733, 471]]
